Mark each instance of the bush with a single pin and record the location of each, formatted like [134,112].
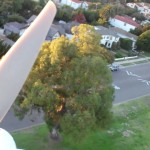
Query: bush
[118,55]
[132,53]
[91,16]
[13,36]
[126,44]
[3,49]
[16,17]
[64,13]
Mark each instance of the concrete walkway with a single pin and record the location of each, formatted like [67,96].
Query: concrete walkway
[133,61]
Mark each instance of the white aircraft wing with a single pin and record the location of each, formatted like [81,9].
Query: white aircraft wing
[18,61]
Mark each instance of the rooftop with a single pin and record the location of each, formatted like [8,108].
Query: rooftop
[105,31]
[16,25]
[123,32]
[127,20]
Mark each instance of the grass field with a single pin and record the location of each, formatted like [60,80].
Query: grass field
[130,130]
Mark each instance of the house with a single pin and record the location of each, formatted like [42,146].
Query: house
[75,3]
[108,36]
[125,23]
[131,5]
[54,32]
[124,34]
[145,22]
[13,27]
[18,28]
[143,8]
[112,35]
[68,26]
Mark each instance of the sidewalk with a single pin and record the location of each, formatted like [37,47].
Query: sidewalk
[133,61]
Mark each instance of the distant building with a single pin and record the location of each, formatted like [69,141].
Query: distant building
[68,26]
[108,36]
[54,32]
[125,23]
[112,36]
[13,27]
[145,22]
[75,3]
[124,34]
[143,8]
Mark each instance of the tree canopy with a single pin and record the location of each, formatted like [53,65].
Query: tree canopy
[140,30]
[71,83]
[143,41]
[17,10]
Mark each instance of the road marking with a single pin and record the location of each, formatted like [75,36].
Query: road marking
[116,87]
[142,80]
[145,81]
[131,74]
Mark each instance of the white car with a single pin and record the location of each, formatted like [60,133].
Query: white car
[114,67]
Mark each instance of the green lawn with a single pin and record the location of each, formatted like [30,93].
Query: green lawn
[130,130]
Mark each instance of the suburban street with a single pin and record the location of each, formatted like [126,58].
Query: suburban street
[130,82]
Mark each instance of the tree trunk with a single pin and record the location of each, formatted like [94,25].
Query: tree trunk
[54,134]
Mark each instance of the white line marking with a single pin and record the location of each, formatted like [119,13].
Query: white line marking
[131,74]
[127,72]
[144,81]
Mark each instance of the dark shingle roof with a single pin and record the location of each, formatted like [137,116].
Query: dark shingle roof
[105,31]
[69,25]
[53,30]
[16,25]
[123,32]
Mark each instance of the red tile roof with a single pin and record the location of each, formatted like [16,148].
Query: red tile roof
[127,20]
[76,1]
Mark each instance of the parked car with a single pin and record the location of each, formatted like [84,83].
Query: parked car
[113,67]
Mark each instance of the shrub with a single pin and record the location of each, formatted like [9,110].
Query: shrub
[118,55]
[126,44]
[15,17]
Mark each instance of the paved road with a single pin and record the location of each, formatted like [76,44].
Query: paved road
[12,123]
[132,82]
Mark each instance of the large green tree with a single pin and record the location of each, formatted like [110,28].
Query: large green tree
[71,83]
[143,41]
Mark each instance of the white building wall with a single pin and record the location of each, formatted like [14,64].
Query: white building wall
[71,4]
[57,35]
[117,23]
[131,5]
[108,40]
[74,5]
